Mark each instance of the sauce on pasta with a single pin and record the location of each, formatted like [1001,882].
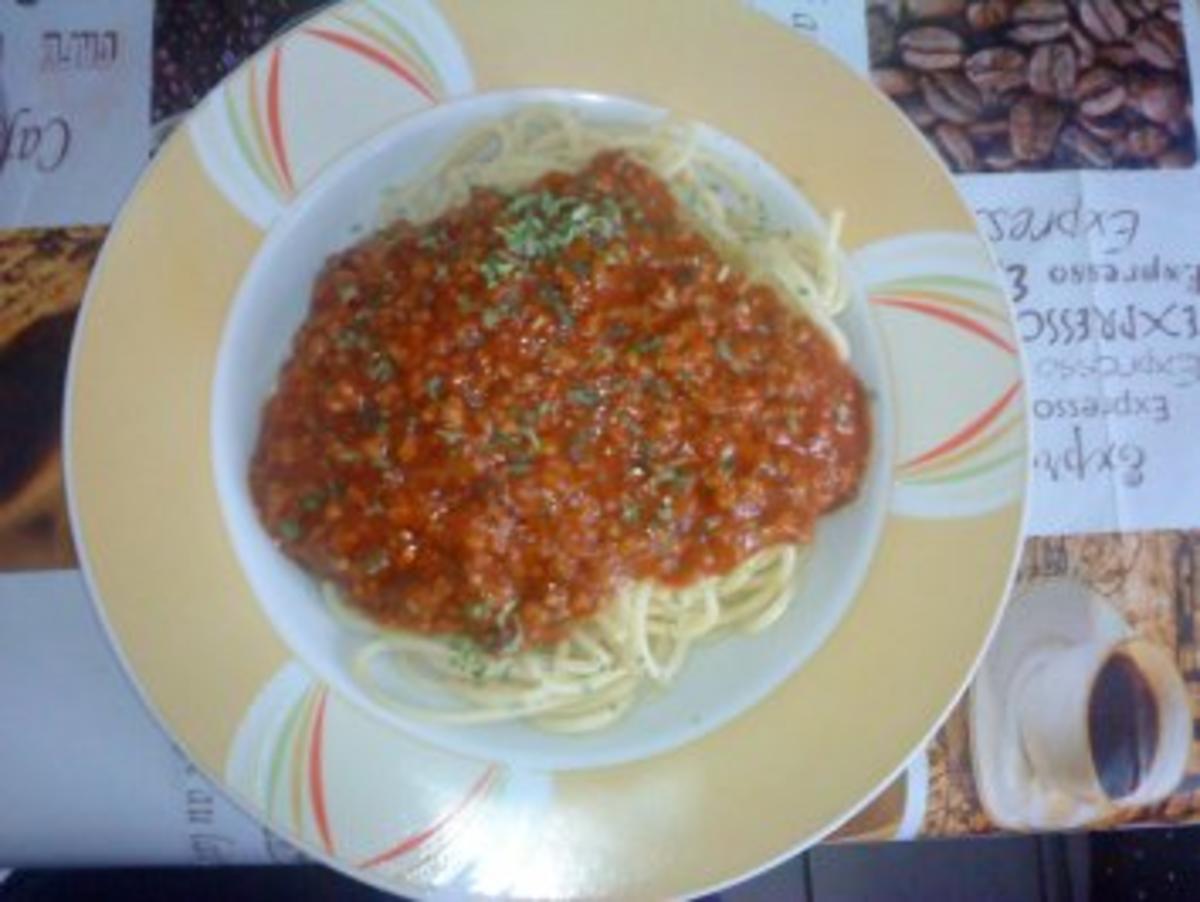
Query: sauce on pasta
[490,421]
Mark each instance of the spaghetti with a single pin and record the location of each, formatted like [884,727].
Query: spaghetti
[580,659]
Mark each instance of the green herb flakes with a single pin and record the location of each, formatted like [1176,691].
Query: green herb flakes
[376,562]
[380,368]
[311,502]
[584,397]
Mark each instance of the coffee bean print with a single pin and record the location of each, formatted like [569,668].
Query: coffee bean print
[1026,85]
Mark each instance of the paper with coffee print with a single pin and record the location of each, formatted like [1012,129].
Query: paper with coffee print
[1134,596]
[1071,123]
[1005,86]
[74,100]
[1105,277]
[1105,282]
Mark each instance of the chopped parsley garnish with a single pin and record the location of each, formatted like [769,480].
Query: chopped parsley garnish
[553,299]
[539,226]
[665,514]
[649,345]
[381,368]
[434,387]
[477,610]
[467,657]
[431,241]
[725,352]
[290,530]
[312,501]
[617,331]
[375,562]
[496,269]
[674,477]
[348,338]
[584,397]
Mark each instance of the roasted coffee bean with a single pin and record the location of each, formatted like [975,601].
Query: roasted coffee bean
[952,97]
[1161,100]
[1052,71]
[1104,20]
[1104,128]
[997,69]
[1100,91]
[1137,10]
[1084,47]
[894,82]
[934,9]
[1042,11]
[956,147]
[1159,43]
[918,112]
[1085,148]
[1039,32]
[988,130]
[1034,124]
[1133,10]
[929,48]
[984,15]
[1122,56]
[1000,160]
[1002,85]
[1147,142]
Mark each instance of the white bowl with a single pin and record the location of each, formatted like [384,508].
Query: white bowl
[721,679]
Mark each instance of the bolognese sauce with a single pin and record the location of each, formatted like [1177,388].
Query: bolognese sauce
[490,421]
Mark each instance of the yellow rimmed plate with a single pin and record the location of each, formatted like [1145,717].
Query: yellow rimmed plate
[409,816]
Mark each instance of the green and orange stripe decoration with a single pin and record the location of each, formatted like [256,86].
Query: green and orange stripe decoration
[297,790]
[371,31]
[978,446]
[254,104]
[257,124]
[416,840]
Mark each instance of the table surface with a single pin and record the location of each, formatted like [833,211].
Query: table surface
[1148,576]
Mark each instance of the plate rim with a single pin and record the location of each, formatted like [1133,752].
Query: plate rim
[87,309]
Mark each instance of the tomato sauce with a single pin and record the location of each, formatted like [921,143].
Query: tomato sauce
[489,421]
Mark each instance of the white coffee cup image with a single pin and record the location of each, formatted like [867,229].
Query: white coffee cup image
[1106,722]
